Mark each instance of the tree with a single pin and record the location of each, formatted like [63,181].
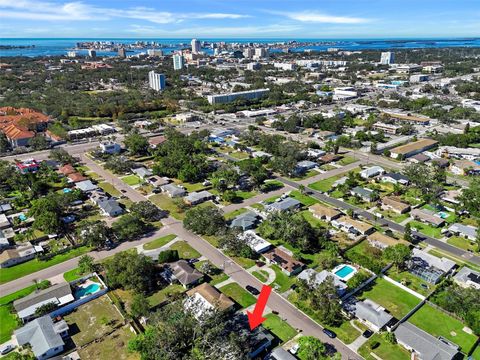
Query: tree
[397,254]
[45,309]
[136,144]
[391,338]
[470,198]
[95,234]
[311,348]
[129,227]
[130,271]
[204,220]
[167,256]
[38,142]
[231,242]
[358,279]
[86,264]
[407,235]
[139,306]
[62,156]
[47,212]
[147,211]
[4,144]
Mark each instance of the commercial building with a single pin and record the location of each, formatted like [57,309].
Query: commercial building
[416,147]
[178,62]
[154,52]
[391,129]
[261,53]
[156,81]
[284,66]
[230,97]
[196,46]
[387,58]
[122,53]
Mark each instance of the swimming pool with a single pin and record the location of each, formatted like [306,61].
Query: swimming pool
[344,272]
[88,290]
[22,217]
[443,214]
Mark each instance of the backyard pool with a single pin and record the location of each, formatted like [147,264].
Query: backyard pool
[92,288]
[344,272]
[22,217]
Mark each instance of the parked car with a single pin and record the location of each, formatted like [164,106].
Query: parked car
[294,349]
[329,333]
[367,333]
[6,349]
[252,290]
[193,261]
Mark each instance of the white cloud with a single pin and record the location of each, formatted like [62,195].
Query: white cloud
[317,17]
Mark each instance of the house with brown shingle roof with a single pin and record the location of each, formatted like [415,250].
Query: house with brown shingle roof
[286,261]
[67,169]
[427,216]
[352,226]
[205,297]
[395,204]
[382,241]
[324,212]
[76,177]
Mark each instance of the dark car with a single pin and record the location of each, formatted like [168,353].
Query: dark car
[329,333]
[193,261]
[367,333]
[123,190]
[252,290]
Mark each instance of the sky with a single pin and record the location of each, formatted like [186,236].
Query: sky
[320,19]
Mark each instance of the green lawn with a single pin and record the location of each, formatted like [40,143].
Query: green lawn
[20,270]
[190,187]
[132,180]
[438,323]
[235,213]
[476,353]
[304,199]
[385,350]
[411,281]
[4,300]
[166,203]
[427,229]
[244,262]
[462,243]
[307,175]
[391,297]
[217,275]
[162,295]
[313,220]
[8,322]
[280,328]
[73,274]
[325,184]
[346,160]
[260,276]
[109,188]
[282,281]
[238,294]
[185,251]
[258,206]
[157,243]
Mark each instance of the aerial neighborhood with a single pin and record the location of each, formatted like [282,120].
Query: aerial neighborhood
[149,198]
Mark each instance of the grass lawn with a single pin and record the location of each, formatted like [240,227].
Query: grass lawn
[385,350]
[258,206]
[325,184]
[346,160]
[217,275]
[240,155]
[115,343]
[391,297]
[462,243]
[307,175]
[438,323]
[190,187]
[260,276]
[8,322]
[166,203]
[185,251]
[238,294]
[157,243]
[304,199]
[109,188]
[93,319]
[244,262]
[398,218]
[411,281]
[235,213]
[162,295]
[73,274]
[313,220]
[427,229]
[20,270]
[132,180]
[4,300]
[282,281]
[279,327]
[476,354]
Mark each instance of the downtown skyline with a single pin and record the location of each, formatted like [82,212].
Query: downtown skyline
[245,19]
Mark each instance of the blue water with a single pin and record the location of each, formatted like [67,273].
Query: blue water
[443,215]
[90,289]
[22,217]
[344,271]
[60,46]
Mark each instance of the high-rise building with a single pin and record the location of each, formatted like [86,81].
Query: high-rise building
[261,53]
[122,53]
[154,52]
[248,53]
[71,54]
[92,53]
[178,62]
[156,81]
[387,58]
[196,46]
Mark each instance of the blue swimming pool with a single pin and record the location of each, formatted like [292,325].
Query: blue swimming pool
[22,217]
[344,271]
[84,291]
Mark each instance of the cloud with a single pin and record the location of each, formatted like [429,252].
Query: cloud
[80,11]
[318,17]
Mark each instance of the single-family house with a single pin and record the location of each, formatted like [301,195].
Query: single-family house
[371,172]
[5,236]
[321,212]
[198,197]
[282,205]
[185,274]
[86,186]
[467,231]
[6,207]
[245,221]
[451,196]
[465,167]
[4,221]
[382,241]
[261,154]
[67,169]
[285,260]
[59,294]
[158,181]
[76,177]
[258,339]
[19,254]
[28,166]
[156,140]
[429,267]
[110,147]
[314,278]
[364,193]
[467,277]
[44,336]
[255,242]
[395,204]
[280,353]
[419,158]
[142,172]
[204,298]
[304,166]
[370,313]
[328,158]
[427,216]
[352,226]
[424,345]
[173,190]
[395,178]
[110,207]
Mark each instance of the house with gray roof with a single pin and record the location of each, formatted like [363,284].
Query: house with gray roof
[142,172]
[371,172]
[110,207]
[427,216]
[363,193]
[185,274]
[467,277]
[280,353]
[466,231]
[424,345]
[198,197]
[285,204]
[429,267]
[370,313]
[173,190]
[304,166]
[86,186]
[245,221]
[395,178]
[5,208]
[5,236]
[44,336]
[314,278]
[59,294]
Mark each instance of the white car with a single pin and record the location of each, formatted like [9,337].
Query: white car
[6,349]
[294,349]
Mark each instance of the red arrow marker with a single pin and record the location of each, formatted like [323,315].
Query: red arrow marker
[255,318]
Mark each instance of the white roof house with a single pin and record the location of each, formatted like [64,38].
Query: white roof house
[255,242]
[371,172]
[467,231]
